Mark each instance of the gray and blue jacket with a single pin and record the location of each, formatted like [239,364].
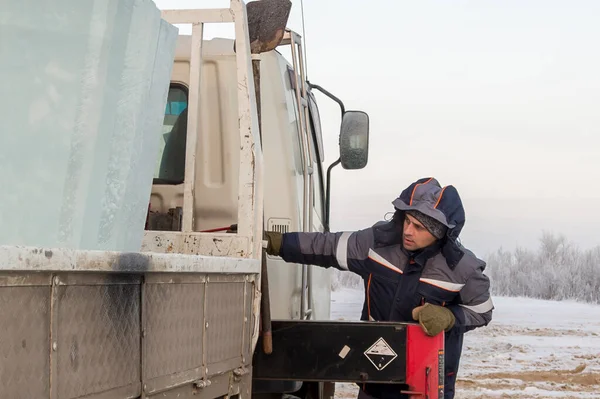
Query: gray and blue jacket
[396,281]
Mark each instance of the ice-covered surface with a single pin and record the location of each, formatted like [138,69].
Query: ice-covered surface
[84,87]
[532,349]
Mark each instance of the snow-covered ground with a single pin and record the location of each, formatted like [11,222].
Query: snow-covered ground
[531,349]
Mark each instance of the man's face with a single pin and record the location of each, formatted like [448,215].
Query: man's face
[415,236]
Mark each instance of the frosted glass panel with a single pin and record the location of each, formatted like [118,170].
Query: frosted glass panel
[84,87]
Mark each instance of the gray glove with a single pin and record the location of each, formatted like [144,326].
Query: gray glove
[434,319]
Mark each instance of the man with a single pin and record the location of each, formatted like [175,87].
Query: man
[413,268]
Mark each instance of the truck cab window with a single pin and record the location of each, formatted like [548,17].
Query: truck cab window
[171,158]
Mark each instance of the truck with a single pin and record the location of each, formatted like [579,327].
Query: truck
[201,310]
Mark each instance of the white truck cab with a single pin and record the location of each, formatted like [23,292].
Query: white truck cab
[292,150]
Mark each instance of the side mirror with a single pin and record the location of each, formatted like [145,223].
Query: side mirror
[354,140]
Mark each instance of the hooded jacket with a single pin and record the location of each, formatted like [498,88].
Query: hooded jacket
[396,280]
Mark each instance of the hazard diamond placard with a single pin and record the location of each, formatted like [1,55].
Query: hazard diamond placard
[380,354]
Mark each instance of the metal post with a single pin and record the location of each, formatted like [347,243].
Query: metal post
[306,116]
[193,128]
[305,166]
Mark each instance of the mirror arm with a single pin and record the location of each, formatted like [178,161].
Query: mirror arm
[339,160]
[328,94]
[328,194]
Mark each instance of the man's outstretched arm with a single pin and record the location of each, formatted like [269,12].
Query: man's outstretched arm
[342,250]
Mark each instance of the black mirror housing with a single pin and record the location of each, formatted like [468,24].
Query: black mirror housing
[354,140]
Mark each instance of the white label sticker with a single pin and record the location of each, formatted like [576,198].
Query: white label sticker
[344,352]
[380,354]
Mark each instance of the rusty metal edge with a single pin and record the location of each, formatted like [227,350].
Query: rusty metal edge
[21,258]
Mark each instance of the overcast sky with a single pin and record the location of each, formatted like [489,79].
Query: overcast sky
[499,98]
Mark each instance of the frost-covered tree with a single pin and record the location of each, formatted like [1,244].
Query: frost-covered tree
[345,279]
[557,270]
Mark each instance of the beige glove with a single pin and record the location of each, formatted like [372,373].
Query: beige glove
[434,319]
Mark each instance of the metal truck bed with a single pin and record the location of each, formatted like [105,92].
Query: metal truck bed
[125,325]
